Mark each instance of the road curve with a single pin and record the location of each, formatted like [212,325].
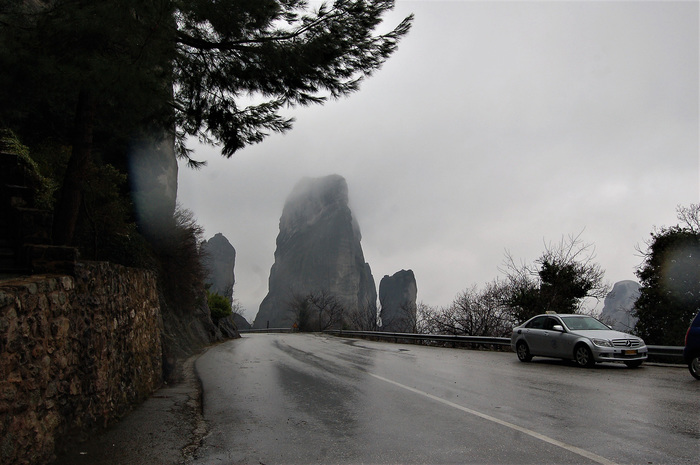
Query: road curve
[304,398]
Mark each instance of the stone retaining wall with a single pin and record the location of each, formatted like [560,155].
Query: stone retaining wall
[76,353]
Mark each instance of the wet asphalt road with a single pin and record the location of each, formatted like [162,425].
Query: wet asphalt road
[301,398]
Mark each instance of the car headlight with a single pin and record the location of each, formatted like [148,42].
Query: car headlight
[602,342]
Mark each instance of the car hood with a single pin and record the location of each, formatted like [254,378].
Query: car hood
[603,334]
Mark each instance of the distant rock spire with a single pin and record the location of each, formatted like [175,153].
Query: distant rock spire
[617,308]
[219,261]
[397,297]
[318,251]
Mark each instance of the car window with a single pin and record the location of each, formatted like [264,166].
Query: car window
[537,323]
[580,323]
[549,323]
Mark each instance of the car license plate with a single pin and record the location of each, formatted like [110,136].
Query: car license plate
[630,352]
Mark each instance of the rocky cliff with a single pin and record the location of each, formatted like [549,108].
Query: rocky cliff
[318,251]
[219,259]
[240,322]
[219,262]
[397,297]
[618,306]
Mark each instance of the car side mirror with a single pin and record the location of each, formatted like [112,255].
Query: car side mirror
[559,328]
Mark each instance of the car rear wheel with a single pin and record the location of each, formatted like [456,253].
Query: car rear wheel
[523,352]
[633,363]
[583,356]
[694,367]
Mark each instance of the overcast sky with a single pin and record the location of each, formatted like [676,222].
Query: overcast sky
[496,126]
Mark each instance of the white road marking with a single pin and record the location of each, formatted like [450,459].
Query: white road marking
[576,450]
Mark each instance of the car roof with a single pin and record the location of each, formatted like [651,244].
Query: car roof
[575,315]
[561,314]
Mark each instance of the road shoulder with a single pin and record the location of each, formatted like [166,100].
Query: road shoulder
[165,429]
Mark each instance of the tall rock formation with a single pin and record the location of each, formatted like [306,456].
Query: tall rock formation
[397,297]
[618,305]
[219,261]
[318,252]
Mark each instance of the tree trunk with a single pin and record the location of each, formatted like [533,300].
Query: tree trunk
[70,200]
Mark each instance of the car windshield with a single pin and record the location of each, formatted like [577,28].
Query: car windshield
[582,322]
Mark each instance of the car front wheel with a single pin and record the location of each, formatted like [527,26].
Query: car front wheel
[523,352]
[694,367]
[583,356]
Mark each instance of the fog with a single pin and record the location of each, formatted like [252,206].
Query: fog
[497,126]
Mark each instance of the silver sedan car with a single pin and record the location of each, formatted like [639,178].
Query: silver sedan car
[580,338]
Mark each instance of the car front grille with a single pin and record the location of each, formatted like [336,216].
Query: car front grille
[626,342]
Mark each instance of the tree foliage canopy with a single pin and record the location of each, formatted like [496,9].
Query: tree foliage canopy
[317,311]
[52,51]
[560,280]
[218,70]
[670,278]
[473,312]
[270,49]
[219,306]
[101,76]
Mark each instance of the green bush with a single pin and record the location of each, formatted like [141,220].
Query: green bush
[42,186]
[219,306]
[179,263]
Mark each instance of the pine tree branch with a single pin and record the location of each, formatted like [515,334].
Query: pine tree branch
[242,45]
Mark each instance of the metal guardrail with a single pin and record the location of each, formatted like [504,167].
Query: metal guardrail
[504,341]
[266,330]
[654,350]
[668,351]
